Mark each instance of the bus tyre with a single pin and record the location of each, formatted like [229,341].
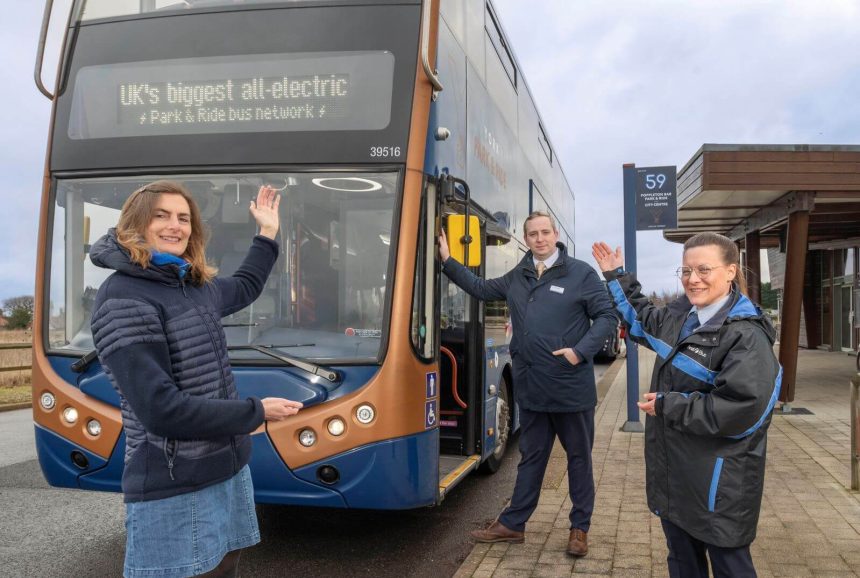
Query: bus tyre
[504,411]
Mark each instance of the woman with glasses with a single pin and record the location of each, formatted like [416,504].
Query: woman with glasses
[156,324]
[715,382]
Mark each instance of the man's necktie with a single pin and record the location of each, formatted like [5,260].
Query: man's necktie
[690,325]
[540,267]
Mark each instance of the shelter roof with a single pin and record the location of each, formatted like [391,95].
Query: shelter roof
[739,189]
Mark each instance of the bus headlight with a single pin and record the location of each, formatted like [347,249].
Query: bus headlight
[47,401]
[336,426]
[94,427]
[70,414]
[307,437]
[365,414]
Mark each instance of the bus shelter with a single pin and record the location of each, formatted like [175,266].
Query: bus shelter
[802,204]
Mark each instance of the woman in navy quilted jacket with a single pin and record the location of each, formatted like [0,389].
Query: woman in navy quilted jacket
[156,326]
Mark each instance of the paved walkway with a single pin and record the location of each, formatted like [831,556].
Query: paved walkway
[809,524]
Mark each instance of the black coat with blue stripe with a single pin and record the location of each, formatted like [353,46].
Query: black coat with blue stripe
[716,389]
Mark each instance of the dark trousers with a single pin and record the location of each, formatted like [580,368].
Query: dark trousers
[687,557]
[537,435]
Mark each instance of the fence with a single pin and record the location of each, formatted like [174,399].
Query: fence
[16,346]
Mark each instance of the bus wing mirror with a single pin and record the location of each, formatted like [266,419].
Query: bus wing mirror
[459,242]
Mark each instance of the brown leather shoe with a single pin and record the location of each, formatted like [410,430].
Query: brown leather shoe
[577,544]
[498,533]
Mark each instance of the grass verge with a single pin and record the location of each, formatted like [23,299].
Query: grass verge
[15,394]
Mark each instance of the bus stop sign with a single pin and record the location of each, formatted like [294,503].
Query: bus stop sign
[656,198]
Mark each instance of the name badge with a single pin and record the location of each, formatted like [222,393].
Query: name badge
[556,289]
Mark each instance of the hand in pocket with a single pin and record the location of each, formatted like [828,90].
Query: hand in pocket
[569,354]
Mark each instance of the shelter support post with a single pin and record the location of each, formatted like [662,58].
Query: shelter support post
[810,310]
[753,266]
[789,334]
[855,433]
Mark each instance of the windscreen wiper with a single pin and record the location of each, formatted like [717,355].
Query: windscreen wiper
[84,362]
[324,372]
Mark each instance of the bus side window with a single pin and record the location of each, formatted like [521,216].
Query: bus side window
[501,258]
[426,271]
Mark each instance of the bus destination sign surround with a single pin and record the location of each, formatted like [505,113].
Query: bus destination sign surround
[249,93]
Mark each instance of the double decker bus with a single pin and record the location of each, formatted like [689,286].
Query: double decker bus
[380,121]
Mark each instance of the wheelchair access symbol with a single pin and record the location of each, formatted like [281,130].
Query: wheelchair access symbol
[431,385]
[430,416]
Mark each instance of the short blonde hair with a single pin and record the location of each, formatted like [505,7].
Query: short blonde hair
[138,212]
[536,215]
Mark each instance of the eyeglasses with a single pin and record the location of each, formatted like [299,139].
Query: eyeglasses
[702,271]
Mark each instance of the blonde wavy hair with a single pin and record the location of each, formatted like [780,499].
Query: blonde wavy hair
[137,214]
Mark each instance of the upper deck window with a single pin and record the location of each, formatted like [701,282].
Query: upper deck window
[231,94]
[544,143]
[494,31]
[97,9]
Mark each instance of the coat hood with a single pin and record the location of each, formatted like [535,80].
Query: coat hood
[107,253]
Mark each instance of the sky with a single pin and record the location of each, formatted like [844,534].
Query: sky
[615,81]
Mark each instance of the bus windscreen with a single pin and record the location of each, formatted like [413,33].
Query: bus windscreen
[231,94]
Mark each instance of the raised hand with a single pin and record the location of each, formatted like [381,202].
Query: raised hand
[265,211]
[278,408]
[444,253]
[606,259]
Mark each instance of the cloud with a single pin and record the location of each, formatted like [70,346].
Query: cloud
[616,82]
[650,82]
[24,132]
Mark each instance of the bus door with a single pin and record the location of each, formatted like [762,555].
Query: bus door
[461,366]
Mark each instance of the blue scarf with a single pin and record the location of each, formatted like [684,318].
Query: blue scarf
[168,259]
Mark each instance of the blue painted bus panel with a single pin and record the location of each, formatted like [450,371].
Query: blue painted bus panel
[274,483]
[55,459]
[493,376]
[299,385]
[449,111]
[63,367]
[108,478]
[396,474]
[489,421]
[95,383]
[257,382]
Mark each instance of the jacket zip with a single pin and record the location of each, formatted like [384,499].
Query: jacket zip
[221,371]
[170,455]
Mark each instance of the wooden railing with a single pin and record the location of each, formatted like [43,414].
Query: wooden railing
[16,346]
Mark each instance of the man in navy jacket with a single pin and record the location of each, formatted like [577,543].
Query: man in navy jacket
[561,315]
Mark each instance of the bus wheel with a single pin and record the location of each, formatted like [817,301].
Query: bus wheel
[503,430]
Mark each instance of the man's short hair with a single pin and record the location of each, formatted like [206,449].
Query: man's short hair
[535,215]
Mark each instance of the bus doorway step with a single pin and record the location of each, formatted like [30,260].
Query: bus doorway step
[453,470]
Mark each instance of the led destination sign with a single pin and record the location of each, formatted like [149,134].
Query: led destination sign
[253,93]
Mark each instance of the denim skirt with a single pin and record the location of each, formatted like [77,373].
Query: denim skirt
[189,534]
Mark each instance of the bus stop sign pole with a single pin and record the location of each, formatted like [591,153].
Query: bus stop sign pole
[632,424]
